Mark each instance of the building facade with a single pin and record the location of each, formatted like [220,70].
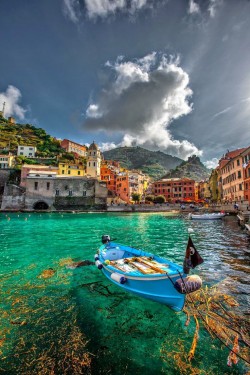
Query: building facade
[232,175]
[6,161]
[246,173]
[71,169]
[28,151]
[27,168]
[74,147]
[94,161]
[175,189]
[47,190]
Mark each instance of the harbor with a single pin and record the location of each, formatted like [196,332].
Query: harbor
[57,315]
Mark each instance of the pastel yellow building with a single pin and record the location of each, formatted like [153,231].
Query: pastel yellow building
[6,161]
[71,169]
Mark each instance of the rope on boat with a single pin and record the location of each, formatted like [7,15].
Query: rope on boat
[206,325]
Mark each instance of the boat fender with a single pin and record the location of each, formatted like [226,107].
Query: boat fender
[98,264]
[96,257]
[188,284]
[118,278]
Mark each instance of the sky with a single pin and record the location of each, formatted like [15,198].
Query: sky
[168,75]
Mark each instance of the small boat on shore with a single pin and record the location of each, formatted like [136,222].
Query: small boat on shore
[207,216]
[148,275]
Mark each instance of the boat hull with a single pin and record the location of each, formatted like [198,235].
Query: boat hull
[159,289]
[142,273]
[214,216]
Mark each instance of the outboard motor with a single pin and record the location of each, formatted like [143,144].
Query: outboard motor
[105,238]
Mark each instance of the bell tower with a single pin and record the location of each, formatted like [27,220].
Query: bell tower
[94,161]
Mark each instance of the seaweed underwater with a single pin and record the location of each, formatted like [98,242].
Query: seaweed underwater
[212,310]
[40,330]
[33,336]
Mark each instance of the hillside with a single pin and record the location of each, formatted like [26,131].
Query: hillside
[153,163]
[13,135]
[192,168]
[48,148]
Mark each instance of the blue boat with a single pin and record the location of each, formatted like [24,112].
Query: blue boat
[147,275]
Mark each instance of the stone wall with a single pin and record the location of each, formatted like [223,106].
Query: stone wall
[13,198]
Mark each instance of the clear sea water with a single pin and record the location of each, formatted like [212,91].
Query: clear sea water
[49,324]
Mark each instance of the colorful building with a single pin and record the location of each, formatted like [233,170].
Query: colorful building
[175,189]
[74,147]
[232,175]
[246,173]
[122,187]
[6,161]
[71,169]
[109,171]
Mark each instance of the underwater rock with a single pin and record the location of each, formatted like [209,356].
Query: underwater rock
[80,264]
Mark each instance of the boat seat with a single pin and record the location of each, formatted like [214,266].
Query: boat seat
[113,254]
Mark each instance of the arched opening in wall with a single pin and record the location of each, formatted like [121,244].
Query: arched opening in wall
[40,206]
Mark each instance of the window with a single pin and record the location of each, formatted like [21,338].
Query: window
[30,153]
[70,193]
[57,192]
[66,187]
[21,148]
[89,163]
[84,193]
[68,172]
[36,185]
[48,185]
[31,148]
[94,163]
[240,186]
[238,162]
[239,174]
[78,173]
[63,171]
[21,153]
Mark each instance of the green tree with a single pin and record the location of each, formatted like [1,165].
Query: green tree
[136,197]
[149,198]
[159,199]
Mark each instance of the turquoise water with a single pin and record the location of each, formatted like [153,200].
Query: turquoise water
[50,324]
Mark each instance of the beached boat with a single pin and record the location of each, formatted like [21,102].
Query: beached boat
[148,275]
[207,216]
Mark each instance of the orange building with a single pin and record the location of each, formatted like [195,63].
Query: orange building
[232,175]
[175,189]
[122,186]
[109,171]
[71,146]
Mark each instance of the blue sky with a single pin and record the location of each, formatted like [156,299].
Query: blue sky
[169,75]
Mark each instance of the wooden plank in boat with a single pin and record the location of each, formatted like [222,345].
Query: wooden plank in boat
[152,266]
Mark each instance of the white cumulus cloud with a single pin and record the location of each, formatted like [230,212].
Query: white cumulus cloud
[141,101]
[212,164]
[11,98]
[193,7]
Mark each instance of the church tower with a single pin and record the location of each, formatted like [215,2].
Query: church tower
[94,161]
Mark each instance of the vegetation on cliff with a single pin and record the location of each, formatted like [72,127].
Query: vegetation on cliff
[153,163]
[192,168]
